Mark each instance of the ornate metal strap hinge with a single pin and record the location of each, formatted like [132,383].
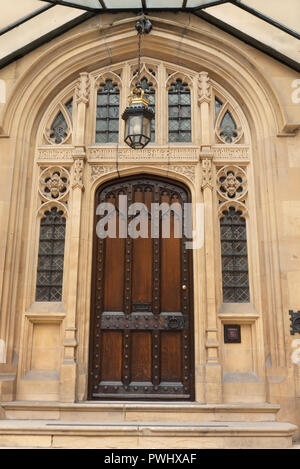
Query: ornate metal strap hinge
[295,322]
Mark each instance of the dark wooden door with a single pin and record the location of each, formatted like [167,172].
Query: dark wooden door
[141,342]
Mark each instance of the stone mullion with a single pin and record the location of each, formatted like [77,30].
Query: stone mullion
[161,107]
[69,365]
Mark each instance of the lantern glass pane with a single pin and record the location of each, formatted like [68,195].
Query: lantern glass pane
[146,127]
[135,125]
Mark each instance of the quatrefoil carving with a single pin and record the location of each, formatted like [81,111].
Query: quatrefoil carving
[54,183]
[232,183]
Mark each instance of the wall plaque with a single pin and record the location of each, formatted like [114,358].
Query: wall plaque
[232,334]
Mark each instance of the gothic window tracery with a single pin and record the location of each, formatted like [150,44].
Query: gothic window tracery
[59,129]
[227,129]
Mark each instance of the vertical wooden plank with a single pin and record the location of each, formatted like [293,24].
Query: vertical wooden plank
[171,356]
[170,272]
[142,258]
[141,363]
[111,356]
[114,274]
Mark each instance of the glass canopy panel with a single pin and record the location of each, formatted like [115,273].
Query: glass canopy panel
[123,4]
[287,14]
[18,9]
[257,28]
[164,4]
[33,29]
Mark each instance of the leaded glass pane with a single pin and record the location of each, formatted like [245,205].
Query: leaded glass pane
[51,256]
[179,103]
[107,116]
[234,257]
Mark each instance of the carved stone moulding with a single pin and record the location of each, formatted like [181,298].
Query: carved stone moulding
[231,154]
[97,171]
[147,155]
[49,155]
[54,183]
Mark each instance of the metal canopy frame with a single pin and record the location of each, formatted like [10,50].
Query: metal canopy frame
[198,11]
[102,8]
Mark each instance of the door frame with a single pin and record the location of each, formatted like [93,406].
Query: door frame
[99,188]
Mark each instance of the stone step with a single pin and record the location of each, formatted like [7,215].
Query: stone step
[145,435]
[139,411]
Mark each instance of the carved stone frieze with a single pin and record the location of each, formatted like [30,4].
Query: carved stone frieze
[189,171]
[55,154]
[146,155]
[231,154]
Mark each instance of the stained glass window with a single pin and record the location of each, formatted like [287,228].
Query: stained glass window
[107,121]
[148,88]
[234,257]
[179,102]
[51,256]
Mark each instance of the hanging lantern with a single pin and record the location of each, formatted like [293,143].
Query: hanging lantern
[137,115]
[137,119]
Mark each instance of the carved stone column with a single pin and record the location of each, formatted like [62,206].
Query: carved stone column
[69,365]
[82,92]
[213,379]
[204,98]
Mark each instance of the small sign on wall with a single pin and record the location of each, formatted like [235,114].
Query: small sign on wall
[232,334]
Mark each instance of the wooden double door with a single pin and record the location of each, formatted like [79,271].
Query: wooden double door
[141,340]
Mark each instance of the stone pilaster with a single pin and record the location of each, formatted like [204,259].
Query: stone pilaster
[213,381]
[69,365]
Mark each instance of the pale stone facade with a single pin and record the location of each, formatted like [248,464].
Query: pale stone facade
[44,345]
